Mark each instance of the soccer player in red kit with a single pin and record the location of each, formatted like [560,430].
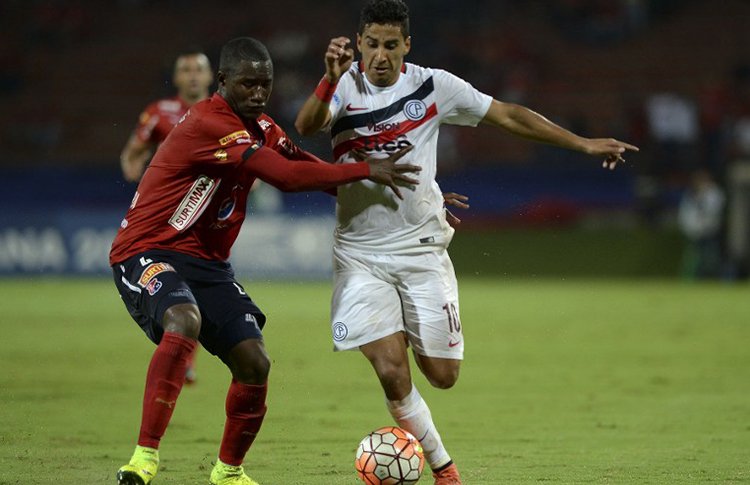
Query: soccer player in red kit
[169,258]
[192,77]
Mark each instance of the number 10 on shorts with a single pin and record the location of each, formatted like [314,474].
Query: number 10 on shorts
[454,323]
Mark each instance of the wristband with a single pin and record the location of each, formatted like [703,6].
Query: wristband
[325,90]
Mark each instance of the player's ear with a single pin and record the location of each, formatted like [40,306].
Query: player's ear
[407,45]
[359,43]
[221,78]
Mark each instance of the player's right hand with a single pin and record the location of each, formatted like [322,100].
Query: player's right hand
[385,171]
[338,58]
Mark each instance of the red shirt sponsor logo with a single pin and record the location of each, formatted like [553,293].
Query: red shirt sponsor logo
[234,136]
[194,203]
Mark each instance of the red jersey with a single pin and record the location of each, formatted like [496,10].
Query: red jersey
[193,196]
[158,119]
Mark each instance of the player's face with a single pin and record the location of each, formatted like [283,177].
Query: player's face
[248,88]
[383,48]
[192,77]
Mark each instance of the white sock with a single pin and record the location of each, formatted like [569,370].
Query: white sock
[412,414]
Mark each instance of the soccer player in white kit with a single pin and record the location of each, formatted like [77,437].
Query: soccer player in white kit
[394,284]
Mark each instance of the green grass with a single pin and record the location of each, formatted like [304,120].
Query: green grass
[565,381]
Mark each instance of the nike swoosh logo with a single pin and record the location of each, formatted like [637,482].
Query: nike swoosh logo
[349,107]
[453,344]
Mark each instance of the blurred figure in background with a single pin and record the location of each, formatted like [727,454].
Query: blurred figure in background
[192,77]
[700,219]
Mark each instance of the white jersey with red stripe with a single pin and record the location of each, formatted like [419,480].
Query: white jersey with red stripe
[381,120]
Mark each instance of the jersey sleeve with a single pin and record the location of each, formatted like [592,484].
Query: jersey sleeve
[459,101]
[147,121]
[293,176]
[337,102]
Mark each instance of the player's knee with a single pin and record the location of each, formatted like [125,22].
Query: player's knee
[253,368]
[394,379]
[184,319]
[445,378]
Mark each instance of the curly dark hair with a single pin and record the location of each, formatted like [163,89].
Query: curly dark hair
[391,12]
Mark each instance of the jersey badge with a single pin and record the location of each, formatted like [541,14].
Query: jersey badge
[265,125]
[415,109]
[153,286]
[221,155]
[340,331]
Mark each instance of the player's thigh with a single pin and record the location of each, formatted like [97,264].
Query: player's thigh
[229,316]
[148,286]
[365,305]
[429,295]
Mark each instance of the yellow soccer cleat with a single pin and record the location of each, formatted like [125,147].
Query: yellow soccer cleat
[141,469]
[224,474]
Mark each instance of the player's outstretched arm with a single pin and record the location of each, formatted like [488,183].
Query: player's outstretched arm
[314,114]
[134,157]
[524,122]
[294,176]
[385,171]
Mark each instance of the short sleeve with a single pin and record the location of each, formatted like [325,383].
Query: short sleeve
[147,121]
[458,101]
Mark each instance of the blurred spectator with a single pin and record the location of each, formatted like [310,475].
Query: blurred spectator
[700,219]
[673,126]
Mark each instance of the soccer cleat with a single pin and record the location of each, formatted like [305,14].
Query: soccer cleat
[190,376]
[224,474]
[447,476]
[141,469]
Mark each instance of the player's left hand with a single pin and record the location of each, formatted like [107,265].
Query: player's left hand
[609,148]
[456,200]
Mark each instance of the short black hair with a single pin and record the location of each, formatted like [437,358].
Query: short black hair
[390,12]
[241,49]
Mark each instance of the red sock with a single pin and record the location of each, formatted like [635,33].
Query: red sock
[191,357]
[164,380]
[246,407]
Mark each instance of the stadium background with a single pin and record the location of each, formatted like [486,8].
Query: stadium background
[619,375]
[74,76]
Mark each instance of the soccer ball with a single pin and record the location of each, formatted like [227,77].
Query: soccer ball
[389,456]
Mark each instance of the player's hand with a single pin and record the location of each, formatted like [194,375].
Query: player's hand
[132,170]
[338,58]
[456,200]
[385,171]
[609,148]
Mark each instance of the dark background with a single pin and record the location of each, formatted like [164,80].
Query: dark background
[74,75]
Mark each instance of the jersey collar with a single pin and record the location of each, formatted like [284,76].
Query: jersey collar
[361,66]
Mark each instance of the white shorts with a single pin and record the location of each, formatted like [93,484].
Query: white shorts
[376,295]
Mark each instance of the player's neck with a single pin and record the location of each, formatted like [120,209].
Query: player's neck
[381,87]
[191,100]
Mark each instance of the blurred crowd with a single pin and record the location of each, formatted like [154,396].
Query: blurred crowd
[671,76]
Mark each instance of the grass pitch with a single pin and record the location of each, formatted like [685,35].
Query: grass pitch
[583,381]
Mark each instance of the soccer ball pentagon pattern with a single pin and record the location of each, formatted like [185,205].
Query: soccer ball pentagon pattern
[389,456]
